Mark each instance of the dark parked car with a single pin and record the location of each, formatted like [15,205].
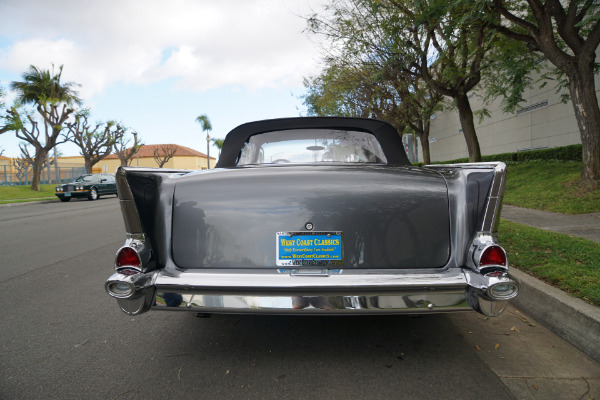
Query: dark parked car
[313,216]
[91,186]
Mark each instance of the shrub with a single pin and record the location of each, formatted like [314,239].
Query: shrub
[564,153]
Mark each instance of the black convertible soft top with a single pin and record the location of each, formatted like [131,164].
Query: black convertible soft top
[388,137]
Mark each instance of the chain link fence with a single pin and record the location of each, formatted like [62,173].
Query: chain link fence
[66,173]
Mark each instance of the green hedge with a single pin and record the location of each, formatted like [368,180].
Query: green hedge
[565,153]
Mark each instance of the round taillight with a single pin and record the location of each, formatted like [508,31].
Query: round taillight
[128,257]
[493,255]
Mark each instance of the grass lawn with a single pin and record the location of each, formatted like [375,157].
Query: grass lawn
[570,264]
[18,194]
[550,186]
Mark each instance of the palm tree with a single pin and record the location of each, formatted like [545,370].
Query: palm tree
[218,143]
[40,86]
[206,127]
[44,89]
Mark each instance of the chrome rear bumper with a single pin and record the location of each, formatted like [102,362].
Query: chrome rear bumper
[292,292]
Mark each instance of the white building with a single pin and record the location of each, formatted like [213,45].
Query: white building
[542,121]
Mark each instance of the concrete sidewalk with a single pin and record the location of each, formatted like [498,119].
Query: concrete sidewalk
[570,318]
[586,226]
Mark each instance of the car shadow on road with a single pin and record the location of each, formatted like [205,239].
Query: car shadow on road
[323,357]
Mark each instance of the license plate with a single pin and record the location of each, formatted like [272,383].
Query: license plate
[67,194]
[312,249]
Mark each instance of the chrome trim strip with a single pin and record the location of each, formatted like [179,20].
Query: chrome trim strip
[493,206]
[272,279]
[137,238]
[479,165]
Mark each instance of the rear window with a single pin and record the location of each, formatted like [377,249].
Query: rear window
[85,178]
[312,146]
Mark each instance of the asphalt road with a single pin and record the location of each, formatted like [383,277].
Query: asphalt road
[63,337]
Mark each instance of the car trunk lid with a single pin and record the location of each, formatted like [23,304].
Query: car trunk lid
[386,217]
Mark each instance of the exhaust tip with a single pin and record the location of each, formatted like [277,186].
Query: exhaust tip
[503,291]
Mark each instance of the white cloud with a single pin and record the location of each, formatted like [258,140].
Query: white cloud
[202,44]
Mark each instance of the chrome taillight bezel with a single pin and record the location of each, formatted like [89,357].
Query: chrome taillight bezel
[484,250]
[481,243]
[128,266]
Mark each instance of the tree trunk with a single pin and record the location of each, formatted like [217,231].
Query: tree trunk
[585,104]
[88,166]
[423,133]
[56,171]
[48,180]
[425,142]
[465,114]
[38,163]
[425,148]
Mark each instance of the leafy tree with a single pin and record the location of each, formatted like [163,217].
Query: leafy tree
[430,40]
[163,153]
[204,122]
[4,128]
[96,143]
[27,129]
[386,86]
[21,167]
[448,52]
[568,34]
[375,91]
[124,152]
[343,90]
[22,164]
[51,99]
[361,90]
[420,102]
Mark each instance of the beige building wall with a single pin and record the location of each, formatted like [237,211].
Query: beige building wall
[110,165]
[190,162]
[542,121]
[6,168]
[5,162]
[177,162]
[72,166]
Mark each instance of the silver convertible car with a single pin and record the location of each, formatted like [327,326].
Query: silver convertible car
[313,216]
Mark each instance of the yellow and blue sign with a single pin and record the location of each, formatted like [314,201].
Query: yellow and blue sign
[309,248]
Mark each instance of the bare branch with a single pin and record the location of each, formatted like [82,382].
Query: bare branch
[163,153]
[124,152]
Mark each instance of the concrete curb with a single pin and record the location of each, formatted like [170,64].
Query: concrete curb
[24,203]
[572,319]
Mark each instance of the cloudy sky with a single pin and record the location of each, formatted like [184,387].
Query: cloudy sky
[156,65]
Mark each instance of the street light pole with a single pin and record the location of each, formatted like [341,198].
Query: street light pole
[137,155]
[207,150]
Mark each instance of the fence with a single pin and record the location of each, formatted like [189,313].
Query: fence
[8,176]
